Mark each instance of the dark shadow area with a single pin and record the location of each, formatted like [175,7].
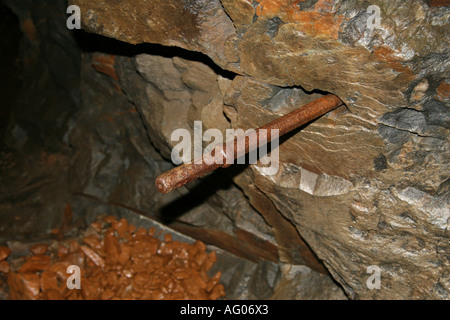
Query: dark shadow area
[10,81]
[199,194]
[90,42]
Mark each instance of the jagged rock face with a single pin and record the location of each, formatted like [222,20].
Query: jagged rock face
[364,185]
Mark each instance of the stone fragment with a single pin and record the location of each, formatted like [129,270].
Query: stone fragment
[36,263]
[23,286]
[4,252]
[39,248]
[4,266]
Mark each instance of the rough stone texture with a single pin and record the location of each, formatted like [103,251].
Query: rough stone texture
[364,185]
[195,25]
[79,136]
[302,283]
[74,137]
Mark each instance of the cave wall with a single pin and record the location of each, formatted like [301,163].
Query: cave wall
[75,140]
[364,185]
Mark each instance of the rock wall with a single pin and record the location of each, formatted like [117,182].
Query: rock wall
[364,185]
[76,140]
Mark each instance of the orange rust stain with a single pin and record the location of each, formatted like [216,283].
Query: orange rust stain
[117,88]
[268,8]
[121,113]
[324,5]
[439,3]
[319,21]
[321,24]
[4,252]
[443,91]
[29,29]
[49,159]
[4,266]
[388,56]
[107,118]
[105,64]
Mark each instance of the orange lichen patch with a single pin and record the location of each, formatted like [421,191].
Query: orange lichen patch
[319,21]
[29,29]
[104,63]
[388,56]
[4,252]
[443,91]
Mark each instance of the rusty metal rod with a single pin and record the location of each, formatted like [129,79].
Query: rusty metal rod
[188,172]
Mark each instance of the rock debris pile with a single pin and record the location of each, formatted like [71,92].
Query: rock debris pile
[117,261]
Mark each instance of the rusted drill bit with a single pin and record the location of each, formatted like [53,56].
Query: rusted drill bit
[188,172]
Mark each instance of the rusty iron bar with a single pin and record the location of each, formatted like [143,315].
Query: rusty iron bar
[179,176]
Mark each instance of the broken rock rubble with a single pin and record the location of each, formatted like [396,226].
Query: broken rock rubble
[117,261]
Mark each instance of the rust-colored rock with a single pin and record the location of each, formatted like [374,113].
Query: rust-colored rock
[93,256]
[36,263]
[439,3]
[443,91]
[49,281]
[23,286]
[4,252]
[131,264]
[39,248]
[4,266]
[104,63]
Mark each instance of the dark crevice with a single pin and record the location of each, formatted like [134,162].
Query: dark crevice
[90,42]
[10,81]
